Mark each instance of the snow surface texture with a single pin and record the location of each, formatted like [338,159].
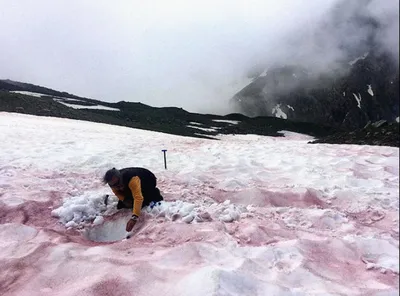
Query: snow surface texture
[247,215]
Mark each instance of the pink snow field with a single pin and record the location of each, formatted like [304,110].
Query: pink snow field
[242,215]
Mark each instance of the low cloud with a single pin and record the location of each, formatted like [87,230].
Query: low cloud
[194,55]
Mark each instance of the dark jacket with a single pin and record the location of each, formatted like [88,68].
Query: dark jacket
[139,188]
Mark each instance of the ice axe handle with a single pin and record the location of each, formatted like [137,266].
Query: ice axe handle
[165,157]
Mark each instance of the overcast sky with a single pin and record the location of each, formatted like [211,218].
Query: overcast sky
[189,54]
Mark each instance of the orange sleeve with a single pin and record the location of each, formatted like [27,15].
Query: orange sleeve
[118,194]
[136,189]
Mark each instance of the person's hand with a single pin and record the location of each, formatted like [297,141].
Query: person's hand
[131,223]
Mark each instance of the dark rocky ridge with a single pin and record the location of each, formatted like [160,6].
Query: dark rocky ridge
[168,119]
[176,120]
[361,86]
[385,134]
[369,92]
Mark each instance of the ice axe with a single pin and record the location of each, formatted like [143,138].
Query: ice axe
[165,157]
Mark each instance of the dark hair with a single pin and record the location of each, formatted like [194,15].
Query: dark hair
[110,174]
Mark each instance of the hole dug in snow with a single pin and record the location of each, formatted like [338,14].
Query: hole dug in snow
[108,231]
[109,224]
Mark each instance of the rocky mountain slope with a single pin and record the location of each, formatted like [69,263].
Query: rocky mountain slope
[23,99]
[369,92]
[362,84]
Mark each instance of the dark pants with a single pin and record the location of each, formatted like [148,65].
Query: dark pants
[150,193]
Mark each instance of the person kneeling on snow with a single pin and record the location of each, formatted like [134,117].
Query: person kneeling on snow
[135,188]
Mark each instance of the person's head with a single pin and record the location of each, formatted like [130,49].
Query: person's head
[113,178]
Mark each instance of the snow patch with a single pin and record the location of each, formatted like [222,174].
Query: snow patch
[28,93]
[359,58]
[97,107]
[226,121]
[358,99]
[263,74]
[278,112]
[211,129]
[203,135]
[38,95]
[370,91]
